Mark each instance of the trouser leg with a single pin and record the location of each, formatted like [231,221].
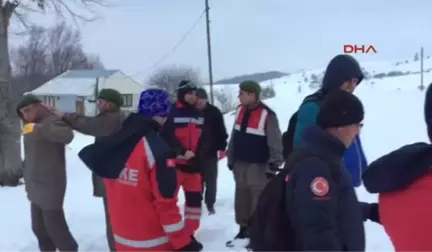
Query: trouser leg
[39,229]
[210,175]
[109,233]
[241,198]
[192,186]
[58,230]
[257,181]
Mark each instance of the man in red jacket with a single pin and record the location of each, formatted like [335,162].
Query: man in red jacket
[141,182]
[403,181]
[182,131]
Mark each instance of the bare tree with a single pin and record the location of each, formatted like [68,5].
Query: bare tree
[226,103]
[168,78]
[65,49]
[10,160]
[48,53]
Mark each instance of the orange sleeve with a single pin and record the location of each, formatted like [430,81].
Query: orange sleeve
[165,188]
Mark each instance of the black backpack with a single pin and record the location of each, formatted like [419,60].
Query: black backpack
[270,228]
[288,136]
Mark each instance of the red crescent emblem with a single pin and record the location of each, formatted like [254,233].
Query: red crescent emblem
[320,186]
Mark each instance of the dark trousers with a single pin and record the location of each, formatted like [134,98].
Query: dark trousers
[109,233]
[210,174]
[51,230]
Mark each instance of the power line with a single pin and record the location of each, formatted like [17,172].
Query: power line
[182,39]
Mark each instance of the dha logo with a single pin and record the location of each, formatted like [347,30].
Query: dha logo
[363,49]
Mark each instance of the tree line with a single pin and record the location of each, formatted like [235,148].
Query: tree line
[10,144]
[47,53]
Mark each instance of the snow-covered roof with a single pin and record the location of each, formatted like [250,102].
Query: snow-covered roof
[73,82]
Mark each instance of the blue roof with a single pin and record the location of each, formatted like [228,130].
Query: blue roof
[94,73]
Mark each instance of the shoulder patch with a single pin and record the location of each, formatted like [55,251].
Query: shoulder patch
[319,186]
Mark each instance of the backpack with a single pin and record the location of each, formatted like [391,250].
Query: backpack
[270,228]
[288,136]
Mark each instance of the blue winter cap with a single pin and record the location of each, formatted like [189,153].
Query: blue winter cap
[154,102]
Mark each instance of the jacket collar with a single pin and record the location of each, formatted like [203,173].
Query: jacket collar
[319,140]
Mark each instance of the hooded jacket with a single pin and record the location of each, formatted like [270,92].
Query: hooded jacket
[141,187]
[341,68]
[107,156]
[403,179]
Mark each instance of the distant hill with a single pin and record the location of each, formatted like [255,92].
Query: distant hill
[259,77]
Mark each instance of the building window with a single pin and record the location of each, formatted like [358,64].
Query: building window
[127,100]
[50,100]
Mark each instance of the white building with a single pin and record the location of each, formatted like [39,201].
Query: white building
[74,90]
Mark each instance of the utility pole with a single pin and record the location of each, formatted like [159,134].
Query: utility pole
[209,54]
[421,69]
[96,94]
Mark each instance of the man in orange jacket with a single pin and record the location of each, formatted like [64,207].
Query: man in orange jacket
[403,181]
[141,182]
[182,131]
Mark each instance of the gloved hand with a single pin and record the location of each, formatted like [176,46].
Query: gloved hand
[370,212]
[221,154]
[194,245]
[374,213]
[272,170]
[28,128]
[230,167]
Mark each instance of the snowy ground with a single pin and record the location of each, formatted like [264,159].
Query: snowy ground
[393,118]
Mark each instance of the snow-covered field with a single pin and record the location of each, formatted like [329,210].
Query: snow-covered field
[393,118]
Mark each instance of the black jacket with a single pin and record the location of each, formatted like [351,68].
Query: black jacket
[325,217]
[214,136]
[107,156]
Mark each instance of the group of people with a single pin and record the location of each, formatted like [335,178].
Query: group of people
[293,191]
[194,150]
[311,205]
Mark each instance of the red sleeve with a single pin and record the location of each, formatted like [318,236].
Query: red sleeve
[165,188]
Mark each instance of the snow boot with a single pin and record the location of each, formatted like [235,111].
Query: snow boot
[240,240]
[199,244]
[211,210]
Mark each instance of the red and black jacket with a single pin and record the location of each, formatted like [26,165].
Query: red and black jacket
[249,134]
[182,131]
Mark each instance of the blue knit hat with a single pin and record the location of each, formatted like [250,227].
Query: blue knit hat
[154,102]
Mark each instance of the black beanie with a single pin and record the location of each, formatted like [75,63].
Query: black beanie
[185,87]
[202,93]
[339,109]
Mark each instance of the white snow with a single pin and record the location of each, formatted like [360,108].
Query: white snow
[394,116]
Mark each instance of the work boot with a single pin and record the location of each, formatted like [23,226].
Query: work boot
[211,210]
[240,240]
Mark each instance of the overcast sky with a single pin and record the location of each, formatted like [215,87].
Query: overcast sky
[256,35]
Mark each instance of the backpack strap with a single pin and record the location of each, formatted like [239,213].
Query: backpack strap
[318,96]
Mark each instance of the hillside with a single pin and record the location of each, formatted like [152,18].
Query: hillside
[381,73]
[254,76]
[397,75]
